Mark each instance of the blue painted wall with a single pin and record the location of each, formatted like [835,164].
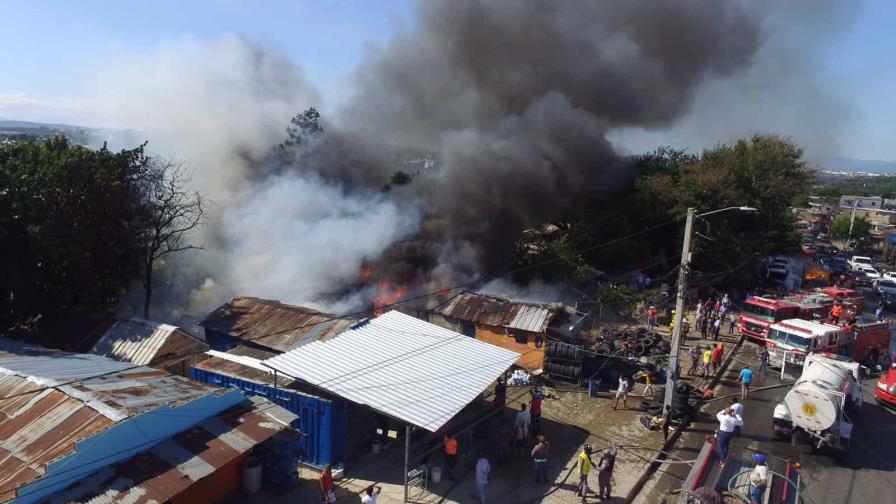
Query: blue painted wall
[124,440]
[322,422]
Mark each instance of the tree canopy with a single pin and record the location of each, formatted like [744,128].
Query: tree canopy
[765,172]
[861,228]
[69,222]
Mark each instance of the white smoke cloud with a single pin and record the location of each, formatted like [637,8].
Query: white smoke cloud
[297,237]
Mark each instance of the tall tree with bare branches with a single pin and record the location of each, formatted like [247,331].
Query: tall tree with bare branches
[172,210]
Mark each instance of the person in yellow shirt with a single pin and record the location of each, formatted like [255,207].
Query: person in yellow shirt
[584,465]
[707,358]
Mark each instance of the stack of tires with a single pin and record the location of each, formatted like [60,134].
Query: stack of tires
[563,360]
[681,400]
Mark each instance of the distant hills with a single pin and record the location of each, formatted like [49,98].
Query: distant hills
[11,124]
[843,164]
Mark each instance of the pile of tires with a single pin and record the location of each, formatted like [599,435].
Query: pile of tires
[681,400]
[559,350]
[563,369]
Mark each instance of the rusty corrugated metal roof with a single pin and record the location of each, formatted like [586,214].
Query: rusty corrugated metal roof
[40,424]
[499,312]
[146,342]
[174,465]
[274,324]
[231,368]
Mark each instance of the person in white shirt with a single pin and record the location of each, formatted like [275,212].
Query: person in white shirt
[738,408]
[728,420]
[758,479]
[483,468]
[621,392]
[521,427]
[371,494]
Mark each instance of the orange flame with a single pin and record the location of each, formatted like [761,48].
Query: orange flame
[387,295]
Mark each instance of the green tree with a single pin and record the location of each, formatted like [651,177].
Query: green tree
[861,228]
[70,224]
[303,128]
[766,172]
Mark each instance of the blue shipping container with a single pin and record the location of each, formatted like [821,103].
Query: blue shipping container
[322,422]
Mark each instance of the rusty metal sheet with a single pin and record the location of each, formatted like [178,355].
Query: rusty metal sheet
[170,468]
[146,342]
[499,312]
[274,324]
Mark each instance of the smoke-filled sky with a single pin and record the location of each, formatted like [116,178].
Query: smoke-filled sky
[53,50]
[528,105]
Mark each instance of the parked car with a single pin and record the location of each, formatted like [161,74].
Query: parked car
[884,286]
[838,265]
[856,261]
[870,271]
[890,275]
[859,278]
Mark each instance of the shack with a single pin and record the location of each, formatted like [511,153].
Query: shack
[148,343]
[78,426]
[247,330]
[518,326]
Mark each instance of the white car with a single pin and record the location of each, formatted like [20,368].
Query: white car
[870,272]
[890,275]
[857,262]
[884,286]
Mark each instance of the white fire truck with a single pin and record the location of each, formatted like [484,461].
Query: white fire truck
[792,340]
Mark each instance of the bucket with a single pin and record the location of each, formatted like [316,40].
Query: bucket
[376,446]
[252,475]
[436,474]
[593,385]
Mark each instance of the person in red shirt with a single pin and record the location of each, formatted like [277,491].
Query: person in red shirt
[651,318]
[716,357]
[327,494]
[535,410]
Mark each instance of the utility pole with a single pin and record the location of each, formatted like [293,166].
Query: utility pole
[852,219]
[672,372]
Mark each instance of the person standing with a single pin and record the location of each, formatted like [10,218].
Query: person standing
[758,479]
[704,327]
[535,410]
[483,469]
[584,465]
[500,395]
[327,492]
[371,494]
[738,409]
[450,443]
[727,422]
[605,474]
[716,328]
[648,385]
[694,354]
[521,426]
[707,358]
[716,307]
[879,312]
[540,457]
[745,379]
[732,324]
[621,392]
[651,318]
[763,361]
[666,422]
[716,357]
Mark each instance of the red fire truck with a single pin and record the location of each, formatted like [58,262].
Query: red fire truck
[759,312]
[850,298]
[791,340]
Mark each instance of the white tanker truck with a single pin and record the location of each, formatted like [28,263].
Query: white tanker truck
[815,409]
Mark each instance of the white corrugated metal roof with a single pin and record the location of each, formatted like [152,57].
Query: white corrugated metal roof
[531,318]
[401,366]
[139,341]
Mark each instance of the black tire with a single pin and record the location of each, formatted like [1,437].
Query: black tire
[655,411]
[639,349]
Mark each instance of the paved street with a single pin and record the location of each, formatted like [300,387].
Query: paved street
[866,475]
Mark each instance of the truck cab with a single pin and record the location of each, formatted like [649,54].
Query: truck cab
[857,262]
[885,392]
[759,313]
[790,341]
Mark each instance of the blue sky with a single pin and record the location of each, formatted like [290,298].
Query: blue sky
[50,51]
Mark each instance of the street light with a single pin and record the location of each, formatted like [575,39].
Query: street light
[672,371]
